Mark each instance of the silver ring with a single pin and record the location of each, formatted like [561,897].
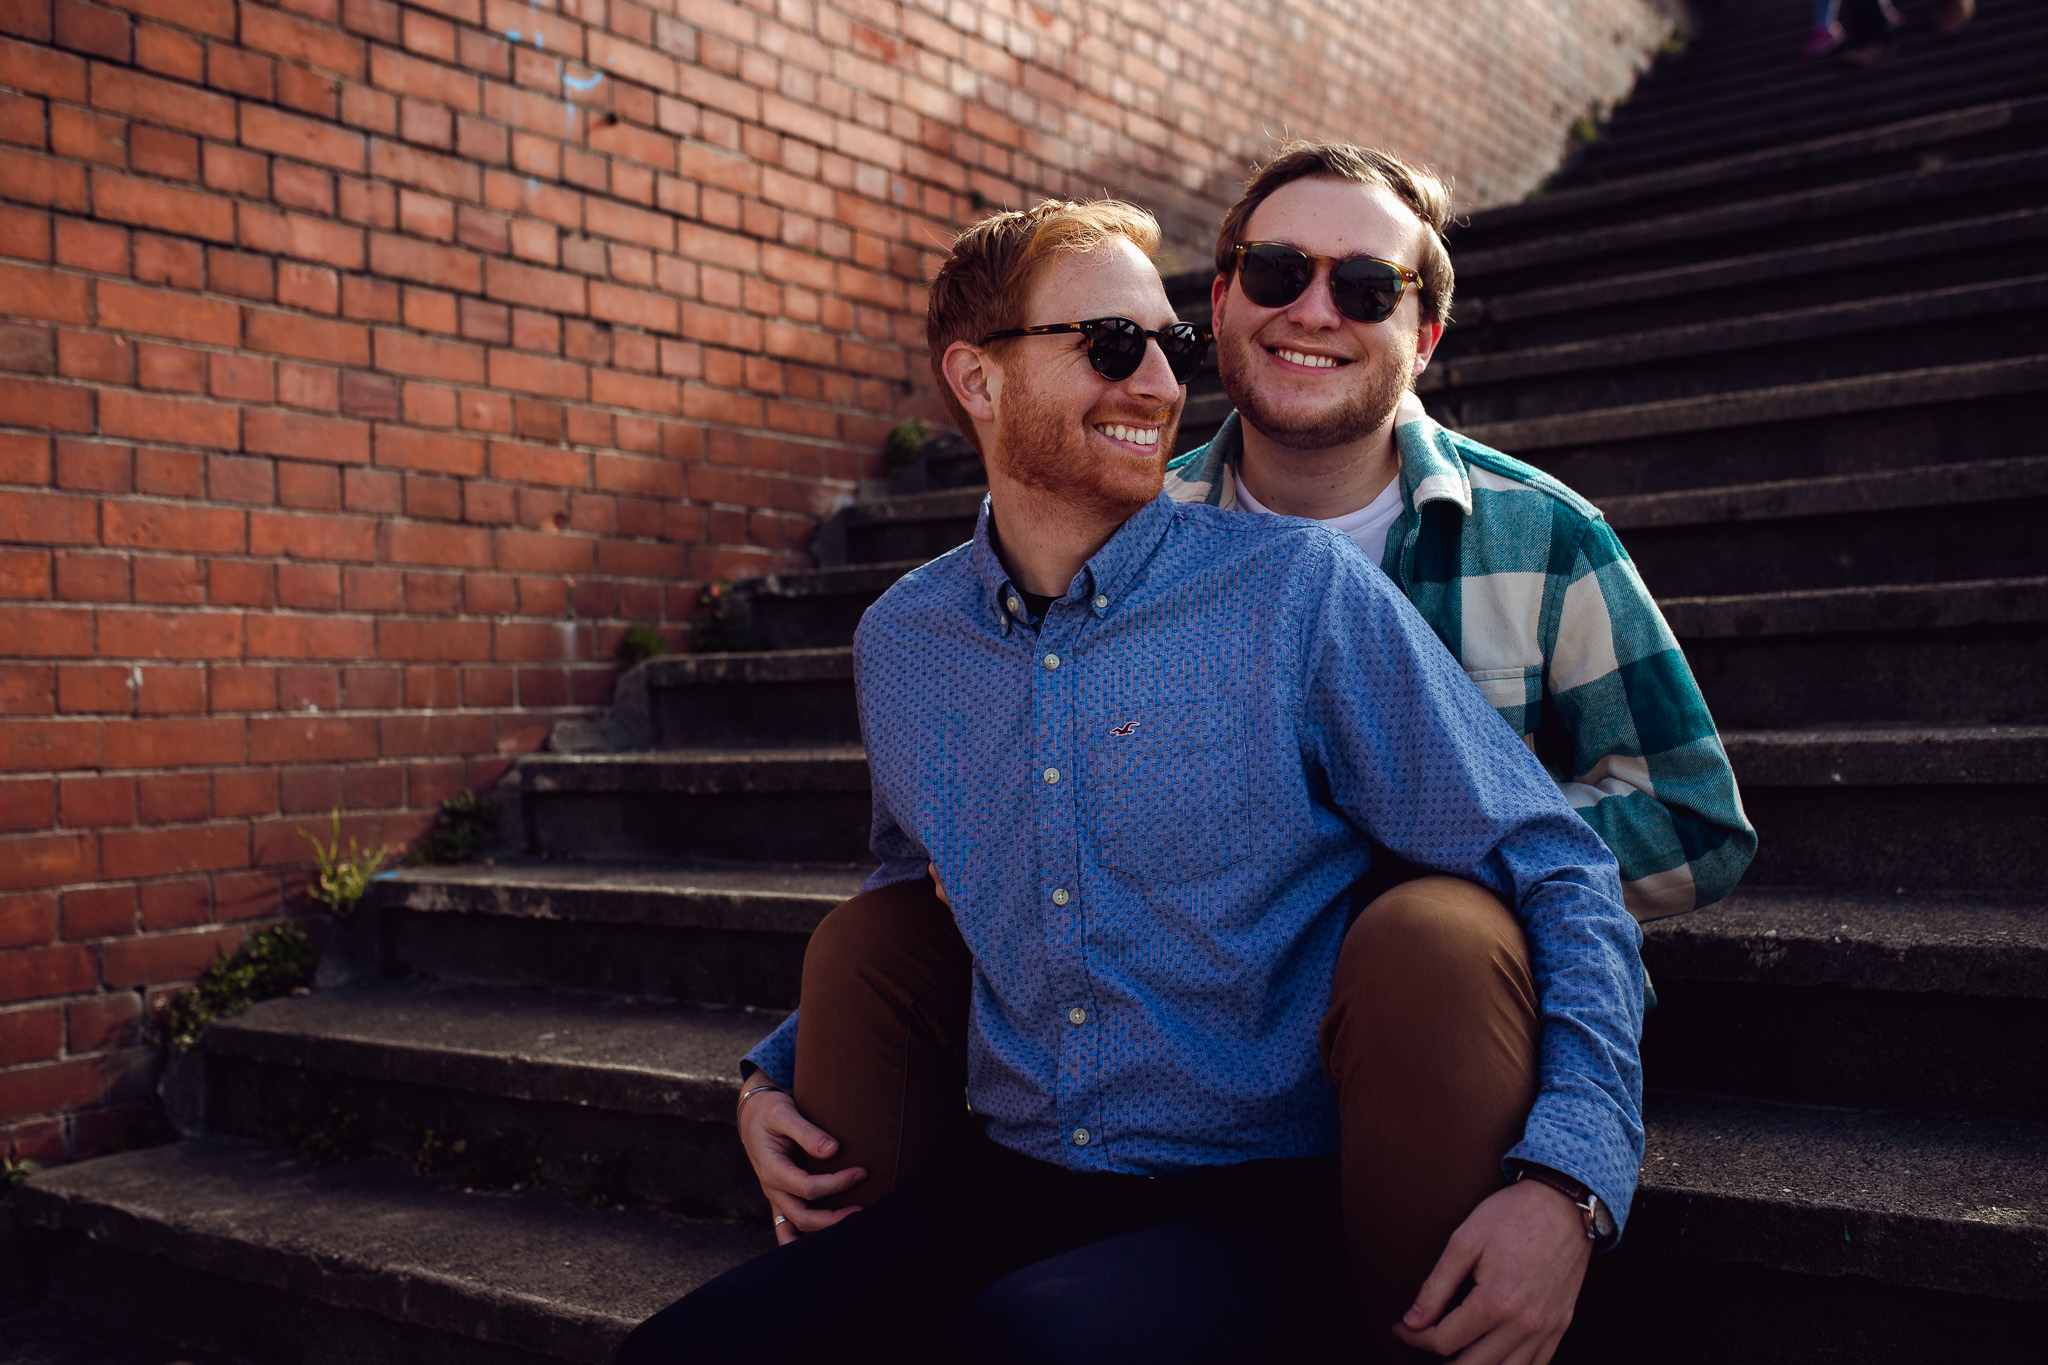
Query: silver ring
[780,1220]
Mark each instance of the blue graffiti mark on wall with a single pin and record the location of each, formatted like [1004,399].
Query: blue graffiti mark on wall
[583,84]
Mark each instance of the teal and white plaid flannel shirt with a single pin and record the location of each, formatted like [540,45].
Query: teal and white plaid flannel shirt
[1531,590]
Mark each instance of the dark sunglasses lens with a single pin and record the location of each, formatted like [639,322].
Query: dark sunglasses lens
[1184,347]
[1365,290]
[1116,347]
[1274,276]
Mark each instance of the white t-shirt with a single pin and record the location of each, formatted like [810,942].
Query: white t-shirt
[1367,527]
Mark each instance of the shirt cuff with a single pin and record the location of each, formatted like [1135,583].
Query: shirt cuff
[1578,1131]
[775,1054]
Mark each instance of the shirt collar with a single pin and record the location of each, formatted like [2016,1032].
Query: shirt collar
[1108,572]
[1431,468]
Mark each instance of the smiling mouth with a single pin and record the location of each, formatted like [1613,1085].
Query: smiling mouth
[1313,362]
[1137,436]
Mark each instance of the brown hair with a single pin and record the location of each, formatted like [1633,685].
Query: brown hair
[988,275]
[1415,186]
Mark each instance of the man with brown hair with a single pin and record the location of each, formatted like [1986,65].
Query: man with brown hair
[1147,748]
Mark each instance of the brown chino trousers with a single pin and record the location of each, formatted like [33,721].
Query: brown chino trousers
[1430,1043]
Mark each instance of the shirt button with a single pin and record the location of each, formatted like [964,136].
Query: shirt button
[1052,775]
[1015,605]
[1080,1137]
[1052,661]
[1077,1015]
[1059,896]
[1101,603]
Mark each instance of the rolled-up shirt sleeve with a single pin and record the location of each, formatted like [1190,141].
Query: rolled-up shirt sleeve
[1419,760]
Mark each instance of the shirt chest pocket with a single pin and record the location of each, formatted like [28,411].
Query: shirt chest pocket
[1166,789]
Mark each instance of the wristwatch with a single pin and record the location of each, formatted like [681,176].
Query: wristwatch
[1599,1220]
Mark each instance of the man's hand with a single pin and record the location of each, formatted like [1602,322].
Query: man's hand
[771,1130]
[1525,1248]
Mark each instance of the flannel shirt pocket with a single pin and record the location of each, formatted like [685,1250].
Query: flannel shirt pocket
[1166,788]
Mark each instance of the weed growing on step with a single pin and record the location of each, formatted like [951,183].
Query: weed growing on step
[1675,42]
[341,878]
[499,1161]
[15,1168]
[272,963]
[906,441]
[640,642]
[321,1135]
[463,829]
[719,624]
[602,1184]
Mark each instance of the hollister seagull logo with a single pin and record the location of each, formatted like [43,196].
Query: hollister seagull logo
[1126,729]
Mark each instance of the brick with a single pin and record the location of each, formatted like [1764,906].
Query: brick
[101,911]
[50,1088]
[441,546]
[302,739]
[24,459]
[534,374]
[169,104]
[309,587]
[295,39]
[246,895]
[28,1035]
[244,791]
[429,358]
[301,385]
[303,236]
[239,687]
[273,130]
[440,452]
[231,69]
[91,577]
[46,293]
[27,804]
[168,313]
[152,203]
[87,688]
[35,179]
[174,54]
[308,485]
[425,263]
[170,798]
[294,334]
[169,580]
[162,959]
[306,436]
[312,536]
[280,636]
[439,641]
[38,403]
[170,635]
[170,367]
[87,136]
[153,151]
[27,690]
[28,861]
[313,288]
[55,518]
[51,633]
[85,802]
[170,473]
[104,1021]
[173,526]
[29,350]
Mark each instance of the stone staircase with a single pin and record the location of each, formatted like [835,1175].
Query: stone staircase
[1785,325]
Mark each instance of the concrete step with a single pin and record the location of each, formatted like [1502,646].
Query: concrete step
[1932,653]
[1964,250]
[1729,113]
[792,694]
[712,807]
[1974,188]
[1989,321]
[1781,1234]
[575,1089]
[218,1242]
[225,1245]
[723,936]
[1929,808]
[1869,1002]
[794,610]
[886,530]
[1956,807]
[1843,156]
[1904,419]
[1924,524]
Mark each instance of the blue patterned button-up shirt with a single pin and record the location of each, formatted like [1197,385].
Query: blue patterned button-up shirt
[1146,809]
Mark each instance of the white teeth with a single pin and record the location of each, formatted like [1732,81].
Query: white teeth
[1137,436]
[1314,362]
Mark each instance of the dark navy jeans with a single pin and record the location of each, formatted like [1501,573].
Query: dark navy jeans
[988,1256]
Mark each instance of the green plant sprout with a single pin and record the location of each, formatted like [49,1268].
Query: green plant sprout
[905,441]
[342,878]
[275,962]
[641,641]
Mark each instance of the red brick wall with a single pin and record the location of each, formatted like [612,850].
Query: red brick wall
[365,367]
